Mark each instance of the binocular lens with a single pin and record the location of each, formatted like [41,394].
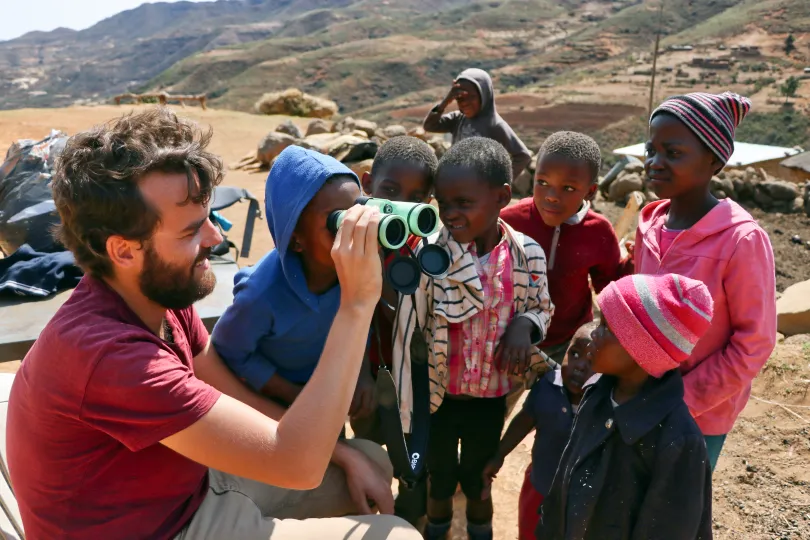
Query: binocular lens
[393,232]
[426,222]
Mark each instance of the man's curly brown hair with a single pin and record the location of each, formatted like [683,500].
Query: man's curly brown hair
[95,185]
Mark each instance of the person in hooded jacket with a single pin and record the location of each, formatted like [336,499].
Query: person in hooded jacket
[636,466]
[273,334]
[473,92]
[692,233]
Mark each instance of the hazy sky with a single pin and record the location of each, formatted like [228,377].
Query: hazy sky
[20,16]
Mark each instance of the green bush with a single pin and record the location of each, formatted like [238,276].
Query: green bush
[778,129]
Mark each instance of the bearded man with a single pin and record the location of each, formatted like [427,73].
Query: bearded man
[124,423]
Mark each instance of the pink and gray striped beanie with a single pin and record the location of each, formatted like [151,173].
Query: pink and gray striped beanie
[712,117]
[657,319]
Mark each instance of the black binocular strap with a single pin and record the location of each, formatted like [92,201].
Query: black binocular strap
[408,459]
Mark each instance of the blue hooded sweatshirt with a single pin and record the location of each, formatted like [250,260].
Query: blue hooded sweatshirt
[276,325]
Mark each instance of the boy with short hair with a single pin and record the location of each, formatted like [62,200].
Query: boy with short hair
[550,410]
[403,170]
[636,465]
[478,328]
[577,241]
[473,92]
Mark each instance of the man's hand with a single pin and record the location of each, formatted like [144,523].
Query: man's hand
[356,253]
[515,349]
[367,483]
[364,402]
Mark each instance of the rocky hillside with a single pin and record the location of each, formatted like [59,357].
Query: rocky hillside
[584,61]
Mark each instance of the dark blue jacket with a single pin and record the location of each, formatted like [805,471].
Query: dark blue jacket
[639,471]
[276,324]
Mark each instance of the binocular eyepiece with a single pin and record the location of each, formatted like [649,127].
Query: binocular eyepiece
[400,220]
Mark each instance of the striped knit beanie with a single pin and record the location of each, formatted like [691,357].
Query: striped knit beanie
[657,319]
[712,117]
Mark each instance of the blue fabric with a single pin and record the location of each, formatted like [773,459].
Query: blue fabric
[276,325]
[31,273]
[714,445]
[549,406]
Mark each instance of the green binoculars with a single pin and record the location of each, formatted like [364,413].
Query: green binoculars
[400,220]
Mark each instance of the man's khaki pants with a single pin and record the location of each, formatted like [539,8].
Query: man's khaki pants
[241,509]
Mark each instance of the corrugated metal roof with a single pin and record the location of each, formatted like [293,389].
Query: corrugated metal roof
[800,161]
[744,153]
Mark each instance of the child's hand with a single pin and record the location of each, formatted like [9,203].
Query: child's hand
[491,470]
[364,402]
[630,246]
[514,352]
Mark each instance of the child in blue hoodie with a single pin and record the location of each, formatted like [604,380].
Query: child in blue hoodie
[273,334]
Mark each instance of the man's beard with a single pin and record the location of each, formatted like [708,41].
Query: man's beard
[174,287]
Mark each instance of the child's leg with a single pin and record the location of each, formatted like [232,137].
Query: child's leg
[480,435]
[528,508]
[714,445]
[443,467]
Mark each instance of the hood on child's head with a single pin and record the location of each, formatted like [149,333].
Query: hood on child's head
[296,176]
[483,82]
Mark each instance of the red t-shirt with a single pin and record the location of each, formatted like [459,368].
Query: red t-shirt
[89,405]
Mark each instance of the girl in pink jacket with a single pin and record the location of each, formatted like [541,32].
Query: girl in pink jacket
[690,232]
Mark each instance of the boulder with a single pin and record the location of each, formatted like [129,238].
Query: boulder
[366,126]
[743,190]
[348,148]
[724,185]
[394,131]
[624,185]
[361,167]
[634,167]
[523,184]
[439,145]
[272,145]
[762,198]
[797,206]
[418,132]
[293,102]
[751,176]
[344,125]
[793,310]
[319,142]
[779,190]
[318,126]
[289,128]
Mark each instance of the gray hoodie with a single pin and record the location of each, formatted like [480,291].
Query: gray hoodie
[487,123]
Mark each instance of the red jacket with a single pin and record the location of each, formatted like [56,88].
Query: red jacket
[585,245]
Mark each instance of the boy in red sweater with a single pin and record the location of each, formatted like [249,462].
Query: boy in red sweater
[577,241]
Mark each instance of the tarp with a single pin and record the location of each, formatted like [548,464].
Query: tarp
[27,212]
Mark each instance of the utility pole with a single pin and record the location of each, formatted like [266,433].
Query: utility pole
[655,59]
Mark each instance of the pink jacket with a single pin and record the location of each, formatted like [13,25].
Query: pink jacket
[732,255]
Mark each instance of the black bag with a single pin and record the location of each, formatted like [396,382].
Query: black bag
[27,211]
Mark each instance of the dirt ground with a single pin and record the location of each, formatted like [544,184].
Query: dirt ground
[762,484]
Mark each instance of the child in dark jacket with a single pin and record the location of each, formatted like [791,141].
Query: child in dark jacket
[636,466]
[577,241]
[549,409]
[473,92]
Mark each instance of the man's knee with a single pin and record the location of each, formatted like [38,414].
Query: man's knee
[385,527]
[376,454]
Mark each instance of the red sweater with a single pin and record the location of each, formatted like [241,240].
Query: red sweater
[587,245]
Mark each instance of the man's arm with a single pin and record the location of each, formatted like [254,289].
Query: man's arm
[294,452]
